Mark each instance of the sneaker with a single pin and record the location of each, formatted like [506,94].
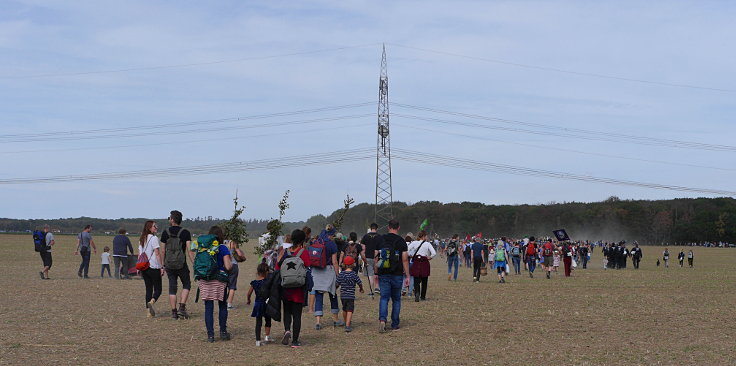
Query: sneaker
[286,339]
[174,314]
[381,327]
[259,343]
[531,275]
[548,275]
[377,291]
[86,277]
[475,278]
[79,274]
[348,329]
[210,339]
[42,276]
[499,281]
[449,277]
[183,311]
[318,326]
[416,297]
[296,344]
[230,306]
[224,336]
[503,280]
[151,310]
[395,328]
[268,339]
[338,323]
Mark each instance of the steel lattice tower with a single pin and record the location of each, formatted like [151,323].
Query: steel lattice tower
[384,197]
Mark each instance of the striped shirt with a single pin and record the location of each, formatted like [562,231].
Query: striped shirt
[347,281]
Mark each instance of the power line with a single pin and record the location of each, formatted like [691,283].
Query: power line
[563,71]
[475,165]
[161,67]
[239,166]
[552,147]
[563,131]
[187,123]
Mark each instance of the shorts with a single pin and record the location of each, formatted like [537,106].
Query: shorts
[232,278]
[500,264]
[46,258]
[183,274]
[369,267]
[348,305]
[548,261]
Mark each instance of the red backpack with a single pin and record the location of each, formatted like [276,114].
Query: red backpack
[318,253]
[547,250]
[531,249]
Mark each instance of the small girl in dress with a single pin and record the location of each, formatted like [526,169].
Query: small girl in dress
[556,260]
[259,307]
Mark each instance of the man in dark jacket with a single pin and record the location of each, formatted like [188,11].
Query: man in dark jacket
[120,247]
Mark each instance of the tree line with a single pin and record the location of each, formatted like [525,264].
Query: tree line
[674,221]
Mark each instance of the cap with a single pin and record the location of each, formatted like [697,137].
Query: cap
[348,261]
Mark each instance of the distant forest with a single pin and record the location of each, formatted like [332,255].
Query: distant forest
[649,222]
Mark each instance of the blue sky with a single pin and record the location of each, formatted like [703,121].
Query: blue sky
[283,56]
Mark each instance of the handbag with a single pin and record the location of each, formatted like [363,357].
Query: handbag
[142,264]
[420,265]
[484,270]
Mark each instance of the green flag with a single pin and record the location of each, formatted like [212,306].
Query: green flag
[424,224]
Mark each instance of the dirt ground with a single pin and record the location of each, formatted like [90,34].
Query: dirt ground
[648,316]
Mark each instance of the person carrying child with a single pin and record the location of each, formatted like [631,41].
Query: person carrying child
[259,307]
[105,262]
[346,280]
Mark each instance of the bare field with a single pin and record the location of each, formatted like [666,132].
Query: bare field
[648,316]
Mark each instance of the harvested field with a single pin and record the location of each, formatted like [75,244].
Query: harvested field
[648,316]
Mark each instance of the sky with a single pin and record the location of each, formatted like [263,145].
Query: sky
[139,87]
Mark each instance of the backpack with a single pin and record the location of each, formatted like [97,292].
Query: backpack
[174,255]
[318,253]
[515,251]
[293,271]
[351,250]
[531,249]
[389,260]
[451,248]
[205,261]
[500,255]
[39,241]
[546,251]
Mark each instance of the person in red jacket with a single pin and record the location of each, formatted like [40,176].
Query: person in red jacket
[548,250]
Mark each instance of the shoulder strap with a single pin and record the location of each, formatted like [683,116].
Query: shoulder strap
[417,252]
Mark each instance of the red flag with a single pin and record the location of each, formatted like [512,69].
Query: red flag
[467,237]
[480,235]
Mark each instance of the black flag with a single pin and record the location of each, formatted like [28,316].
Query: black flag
[561,234]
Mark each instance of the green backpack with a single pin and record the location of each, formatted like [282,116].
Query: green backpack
[205,261]
[500,254]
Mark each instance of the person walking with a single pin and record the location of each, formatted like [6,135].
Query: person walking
[636,255]
[690,257]
[105,260]
[293,299]
[681,258]
[176,243]
[452,251]
[477,252]
[547,254]
[84,242]
[421,251]
[531,256]
[149,244]
[500,260]
[214,289]
[121,245]
[666,258]
[347,279]
[324,275]
[370,242]
[259,307]
[516,257]
[567,253]
[46,252]
[392,268]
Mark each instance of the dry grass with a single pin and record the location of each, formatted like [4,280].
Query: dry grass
[651,316]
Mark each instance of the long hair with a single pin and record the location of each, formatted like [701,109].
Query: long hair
[217,231]
[146,230]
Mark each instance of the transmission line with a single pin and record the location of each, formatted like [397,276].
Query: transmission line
[434,159]
[174,66]
[563,71]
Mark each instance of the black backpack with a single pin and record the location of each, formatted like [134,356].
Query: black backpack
[39,241]
[451,248]
[174,258]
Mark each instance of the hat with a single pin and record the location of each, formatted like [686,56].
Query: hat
[348,261]
[286,245]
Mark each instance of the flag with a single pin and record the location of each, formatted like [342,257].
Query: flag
[561,234]
[480,235]
[424,224]
[467,237]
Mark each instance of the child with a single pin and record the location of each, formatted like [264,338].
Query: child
[259,307]
[346,280]
[556,260]
[105,262]
[232,278]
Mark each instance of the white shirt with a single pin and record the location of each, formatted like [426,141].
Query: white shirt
[49,239]
[148,247]
[105,258]
[427,250]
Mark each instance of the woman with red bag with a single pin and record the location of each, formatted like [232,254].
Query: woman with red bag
[421,252]
[149,265]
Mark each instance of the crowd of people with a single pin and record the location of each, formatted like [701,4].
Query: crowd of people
[298,273]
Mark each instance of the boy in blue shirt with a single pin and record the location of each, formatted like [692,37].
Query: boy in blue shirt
[347,280]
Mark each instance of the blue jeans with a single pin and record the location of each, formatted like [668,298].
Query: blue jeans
[319,299]
[453,261]
[410,288]
[531,262]
[390,289]
[85,263]
[209,315]
[517,264]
